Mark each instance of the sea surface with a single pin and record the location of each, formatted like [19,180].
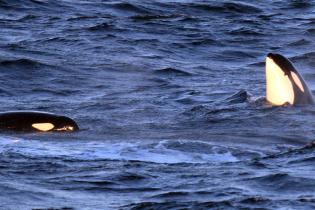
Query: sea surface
[169,96]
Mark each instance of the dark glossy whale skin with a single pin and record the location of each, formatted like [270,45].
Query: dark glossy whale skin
[23,121]
[284,63]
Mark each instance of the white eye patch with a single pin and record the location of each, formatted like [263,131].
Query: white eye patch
[43,126]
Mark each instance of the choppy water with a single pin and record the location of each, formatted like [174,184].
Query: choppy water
[169,98]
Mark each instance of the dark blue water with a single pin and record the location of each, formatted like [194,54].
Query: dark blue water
[169,96]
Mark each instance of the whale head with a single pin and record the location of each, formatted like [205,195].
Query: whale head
[64,123]
[284,85]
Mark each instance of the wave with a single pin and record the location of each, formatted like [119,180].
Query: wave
[300,4]
[239,97]
[22,62]
[225,204]
[157,17]
[307,56]
[19,4]
[101,26]
[300,42]
[172,72]
[246,31]
[125,6]
[282,182]
[162,152]
[233,7]
[53,91]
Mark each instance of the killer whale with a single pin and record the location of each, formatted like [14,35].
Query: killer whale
[284,85]
[32,121]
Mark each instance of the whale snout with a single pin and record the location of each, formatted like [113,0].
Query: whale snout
[66,124]
[270,55]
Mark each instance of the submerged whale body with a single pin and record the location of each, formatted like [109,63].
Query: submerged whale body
[284,85]
[28,121]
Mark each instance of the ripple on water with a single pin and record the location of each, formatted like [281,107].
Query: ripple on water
[155,86]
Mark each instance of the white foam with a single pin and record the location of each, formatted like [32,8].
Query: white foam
[95,150]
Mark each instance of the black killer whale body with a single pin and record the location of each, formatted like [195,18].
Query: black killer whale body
[284,85]
[32,121]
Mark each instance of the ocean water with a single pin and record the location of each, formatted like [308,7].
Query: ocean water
[169,96]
